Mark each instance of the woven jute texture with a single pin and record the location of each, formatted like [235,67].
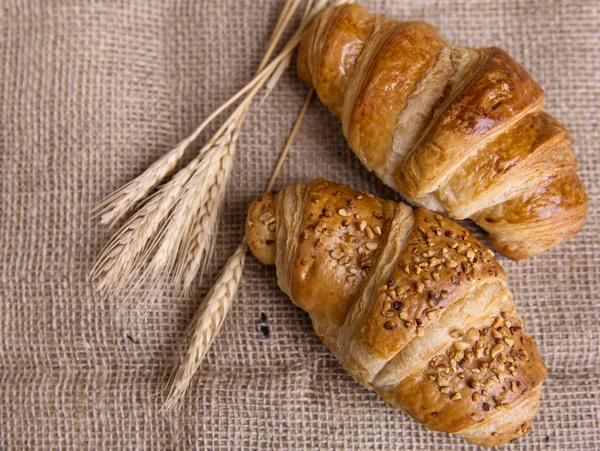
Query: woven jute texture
[91,93]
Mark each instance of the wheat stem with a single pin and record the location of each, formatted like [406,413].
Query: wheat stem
[290,140]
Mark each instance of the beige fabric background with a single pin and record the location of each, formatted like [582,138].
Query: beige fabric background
[92,92]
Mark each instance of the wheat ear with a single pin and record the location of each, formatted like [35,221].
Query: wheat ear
[199,242]
[207,323]
[192,218]
[114,267]
[118,204]
[123,258]
[209,318]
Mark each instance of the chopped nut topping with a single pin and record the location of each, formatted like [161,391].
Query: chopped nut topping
[460,346]
[362,225]
[472,334]
[435,262]
[265,216]
[442,381]
[344,260]
[433,316]
[371,246]
[390,325]
[456,333]
[456,397]
[342,212]
[443,368]
[336,254]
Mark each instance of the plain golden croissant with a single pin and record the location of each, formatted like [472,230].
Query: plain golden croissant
[410,303]
[457,130]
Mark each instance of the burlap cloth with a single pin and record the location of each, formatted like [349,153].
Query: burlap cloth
[93,92]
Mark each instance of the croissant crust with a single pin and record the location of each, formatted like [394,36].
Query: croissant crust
[412,305]
[457,130]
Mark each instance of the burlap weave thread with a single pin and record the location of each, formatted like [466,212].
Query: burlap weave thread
[91,93]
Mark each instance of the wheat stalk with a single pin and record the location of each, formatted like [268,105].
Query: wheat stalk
[181,237]
[117,204]
[208,320]
[199,240]
[176,226]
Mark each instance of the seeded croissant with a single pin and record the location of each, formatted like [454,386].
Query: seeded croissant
[410,303]
[457,130]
